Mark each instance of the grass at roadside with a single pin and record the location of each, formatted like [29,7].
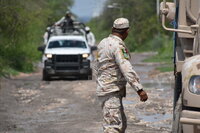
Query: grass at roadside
[7,71]
[167,61]
[168,68]
[164,55]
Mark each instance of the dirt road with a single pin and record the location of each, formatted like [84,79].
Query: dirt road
[30,105]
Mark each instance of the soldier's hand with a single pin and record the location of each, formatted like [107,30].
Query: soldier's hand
[143,95]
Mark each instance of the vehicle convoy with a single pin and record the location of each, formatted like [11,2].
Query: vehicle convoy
[186,17]
[66,54]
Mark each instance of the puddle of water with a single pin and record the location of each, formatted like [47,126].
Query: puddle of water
[155,117]
[165,90]
[51,111]
[162,91]
[128,102]
[158,85]
[130,98]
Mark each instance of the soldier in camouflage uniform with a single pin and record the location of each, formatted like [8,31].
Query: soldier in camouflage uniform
[114,70]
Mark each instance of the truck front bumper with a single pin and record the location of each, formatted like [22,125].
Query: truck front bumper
[190,117]
[68,69]
[68,72]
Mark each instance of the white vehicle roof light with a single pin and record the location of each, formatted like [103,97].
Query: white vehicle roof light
[194,85]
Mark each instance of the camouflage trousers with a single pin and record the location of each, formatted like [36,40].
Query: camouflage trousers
[114,119]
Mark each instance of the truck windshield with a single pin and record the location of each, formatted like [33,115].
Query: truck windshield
[67,44]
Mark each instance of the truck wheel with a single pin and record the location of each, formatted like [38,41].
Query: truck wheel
[85,77]
[45,76]
[177,88]
[89,77]
[177,127]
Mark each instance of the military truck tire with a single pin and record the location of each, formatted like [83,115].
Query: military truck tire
[177,127]
[85,77]
[45,76]
[177,88]
[89,77]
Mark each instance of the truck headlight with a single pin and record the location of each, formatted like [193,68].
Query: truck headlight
[85,55]
[194,85]
[49,55]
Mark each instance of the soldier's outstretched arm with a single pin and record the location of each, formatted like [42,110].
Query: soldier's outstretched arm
[122,59]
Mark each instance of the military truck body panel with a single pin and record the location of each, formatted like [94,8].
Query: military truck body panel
[185,15]
[191,69]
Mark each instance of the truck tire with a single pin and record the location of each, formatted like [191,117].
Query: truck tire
[85,77]
[89,77]
[177,88]
[177,127]
[45,76]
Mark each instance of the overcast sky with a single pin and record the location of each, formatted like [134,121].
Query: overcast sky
[87,8]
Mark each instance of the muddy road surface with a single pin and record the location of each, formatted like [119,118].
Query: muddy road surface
[30,105]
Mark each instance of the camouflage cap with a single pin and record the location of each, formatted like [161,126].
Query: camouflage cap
[121,23]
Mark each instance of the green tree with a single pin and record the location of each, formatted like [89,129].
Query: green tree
[143,21]
[22,26]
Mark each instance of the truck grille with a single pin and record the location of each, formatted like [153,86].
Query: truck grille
[67,68]
[67,58]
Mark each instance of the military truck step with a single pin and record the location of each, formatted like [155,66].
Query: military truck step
[188,51]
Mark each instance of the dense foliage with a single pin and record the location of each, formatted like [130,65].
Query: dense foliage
[22,25]
[145,31]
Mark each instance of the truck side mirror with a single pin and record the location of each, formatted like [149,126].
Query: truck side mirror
[93,48]
[168,9]
[41,48]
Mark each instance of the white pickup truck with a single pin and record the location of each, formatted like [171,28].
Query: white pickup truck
[66,56]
